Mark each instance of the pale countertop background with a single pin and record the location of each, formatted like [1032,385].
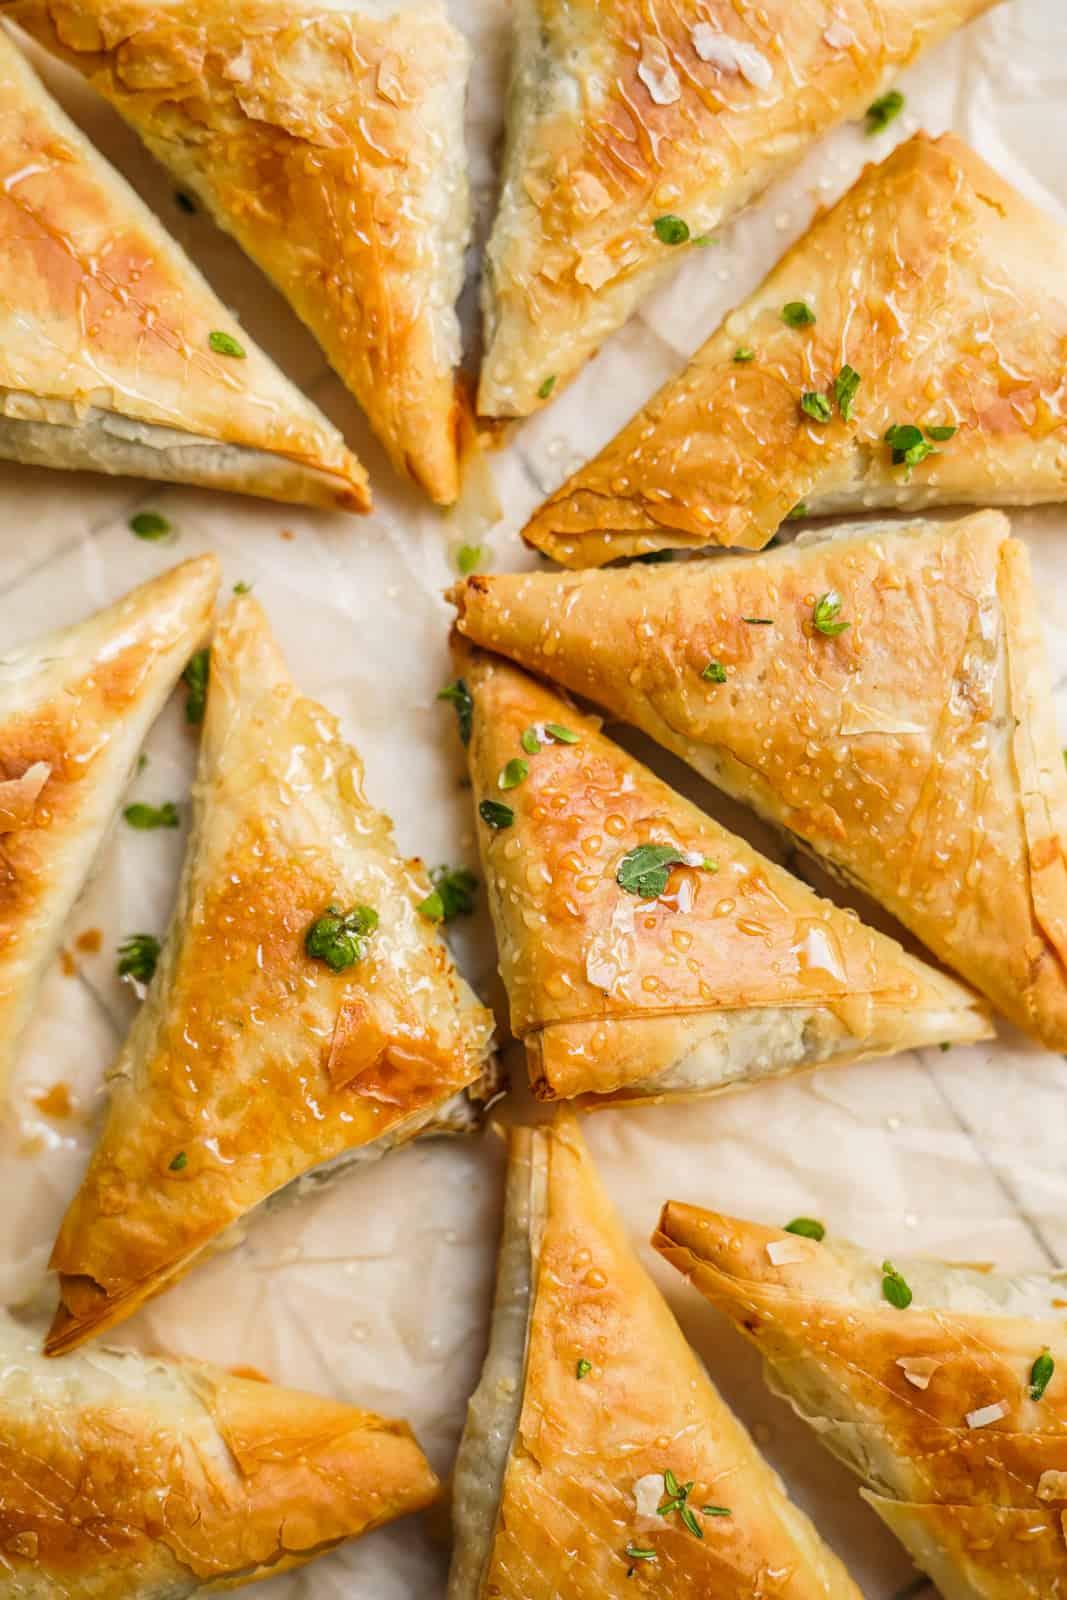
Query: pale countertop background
[378,1290]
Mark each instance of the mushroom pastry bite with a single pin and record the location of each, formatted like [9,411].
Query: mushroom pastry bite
[938,1384]
[75,707]
[327,138]
[634,131]
[881,692]
[926,373]
[115,355]
[648,953]
[304,1015]
[598,1459]
[132,1477]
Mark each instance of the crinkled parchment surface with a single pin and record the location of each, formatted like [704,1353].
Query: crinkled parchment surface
[378,1290]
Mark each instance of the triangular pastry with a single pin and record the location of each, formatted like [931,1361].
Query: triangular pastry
[927,373]
[115,355]
[329,141]
[631,976]
[634,131]
[884,695]
[942,1386]
[75,707]
[131,1477]
[597,1459]
[276,1043]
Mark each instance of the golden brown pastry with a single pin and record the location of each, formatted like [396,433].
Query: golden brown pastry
[74,710]
[329,141]
[597,1459]
[948,327]
[884,696]
[131,1477]
[115,355]
[649,953]
[304,1016]
[634,131]
[942,1386]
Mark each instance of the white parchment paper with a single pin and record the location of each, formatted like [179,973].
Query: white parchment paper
[378,1290]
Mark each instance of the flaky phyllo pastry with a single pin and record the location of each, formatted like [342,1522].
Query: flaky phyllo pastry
[597,1459]
[940,1385]
[634,130]
[304,1016]
[74,709]
[907,351]
[882,693]
[115,355]
[328,139]
[647,951]
[130,1477]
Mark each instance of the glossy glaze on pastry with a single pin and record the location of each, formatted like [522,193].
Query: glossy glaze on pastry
[733,971]
[915,750]
[252,1064]
[75,707]
[950,1407]
[115,355]
[590,1397]
[624,115]
[329,141]
[132,1477]
[935,283]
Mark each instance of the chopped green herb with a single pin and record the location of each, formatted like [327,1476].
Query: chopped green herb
[145,817]
[583,1369]
[825,614]
[714,672]
[460,696]
[452,894]
[881,112]
[716,1511]
[138,956]
[845,385]
[744,352]
[798,511]
[944,1045]
[184,202]
[759,622]
[701,240]
[894,1287]
[336,937]
[816,406]
[149,525]
[636,1553]
[670,229]
[195,677]
[646,869]
[224,344]
[495,815]
[241,587]
[908,445]
[1041,1374]
[652,558]
[515,772]
[944,431]
[691,1522]
[180,1162]
[142,762]
[530,742]
[678,1500]
[467,558]
[560,734]
[547,387]
[806,1227]
[798,314]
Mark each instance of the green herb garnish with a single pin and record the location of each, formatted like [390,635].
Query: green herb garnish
[224,344]
[714,672]
[138,956]
[798,511]
[195,678]
[759,622]
[460,696]
[825,612]
[634,1552]
[670,229]
[241,587]
[806,1227]
[798,314]
[145,817]
[547,387]
[336,937]
[452,894]
[845,385]
[583,1369]
[180,1162]
[908,445]
[467,558]
[716,1511]
[943,431]
[678,1500]
[646,869]
[1041,1374]
[149,525]
[744,352]
[515,772]
[816,406]
[560,734]
[530,742]
[894,1287]
[495,815]
[881,112]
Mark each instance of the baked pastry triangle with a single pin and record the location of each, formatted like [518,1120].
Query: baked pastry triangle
[278,1044]
[885,697]
[593,1415]
[635,132]
[940,1385]
[115,355]
[75,707]
[648,952]
[930,372]
[130,1477]
[329,142]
